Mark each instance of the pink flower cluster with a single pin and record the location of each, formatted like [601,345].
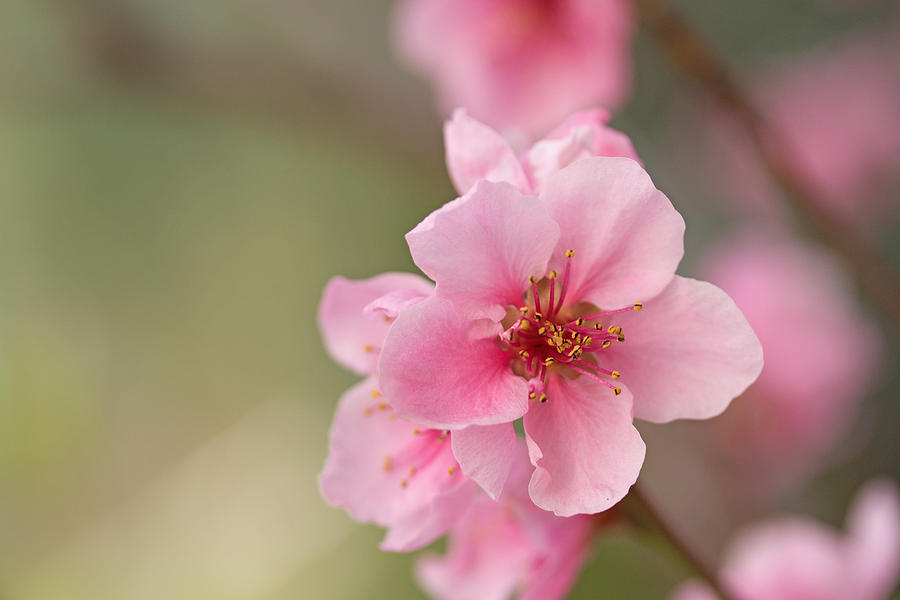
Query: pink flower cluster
[800,559]
[555,302]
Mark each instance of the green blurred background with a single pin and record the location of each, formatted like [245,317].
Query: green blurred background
[177,182]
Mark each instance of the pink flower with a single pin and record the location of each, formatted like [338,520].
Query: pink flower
[381,468]
[837,111]
[535,295]
[475,151]
[800,559]
[796,299]
[500,548]
[519,64]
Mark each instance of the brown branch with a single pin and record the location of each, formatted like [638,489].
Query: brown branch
[878,281]
[651,518]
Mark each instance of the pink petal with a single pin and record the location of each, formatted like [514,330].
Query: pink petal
[584,446]
[487,558]
[482,251]
[475,151]
[687,354]
[582,135]
[370,455]
[419,528]
[351,337]
[627,236]
[438,375]
[486,454]
[874,540]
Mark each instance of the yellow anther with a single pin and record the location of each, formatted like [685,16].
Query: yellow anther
[579,321]
[542,331]
[404,483]
[606,344]
[617,391]
[574,349]
[451,470]
[532,395]
[549,361]
[393,416]
[388,463]
[532,279]
[598,326]
[523,353]
[543,398]
[416,432]
[570,253]
[615,374]
[383,406]
[375,393]
[525,325]
[368,410]
[638,305]
[554,274]
[524,310]
[621,338]
[369,348]
[538,316]
[587,340]
[614,330]
[412,470]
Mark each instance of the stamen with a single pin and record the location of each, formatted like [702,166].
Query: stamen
[553,275]
[638,305]
[451,470]
[537,297]
[543,398]
[565,283]
[375,393]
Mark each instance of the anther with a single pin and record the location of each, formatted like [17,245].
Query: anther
[579,321]
[638,305]
[368,410]
[570,253]
[412,470]
[383,406]
[451,470]
[549,361]
[554,274]
[543,398]
[615,374]
[617,391]
[532,396]
[404,483]
[606,344]
[532,279]
[375,393]
[542,331]
[538,316]
[388,463]
[369,348]
[416,432]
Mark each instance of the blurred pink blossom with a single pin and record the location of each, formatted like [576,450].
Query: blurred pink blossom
[821,354]
[598,238]
[519,65]
[509,546]
[380,468]
[801,559]
[475,151]
[837,113]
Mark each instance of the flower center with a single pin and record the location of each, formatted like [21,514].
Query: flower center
[426,452]
[548,335]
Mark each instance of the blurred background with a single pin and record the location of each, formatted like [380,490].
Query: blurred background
[178,180]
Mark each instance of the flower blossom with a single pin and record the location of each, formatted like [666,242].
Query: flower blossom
[381,468]
[535,297]
[519,64]
[801,559]
[795,298]
[837,113]
[509,546]
[475,151]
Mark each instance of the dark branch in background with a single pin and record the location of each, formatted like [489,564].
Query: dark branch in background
[126,48]
[687,50]
[646,516]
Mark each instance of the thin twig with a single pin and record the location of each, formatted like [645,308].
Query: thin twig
[638,498]
[686,49]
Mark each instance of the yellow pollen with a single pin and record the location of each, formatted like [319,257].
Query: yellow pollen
[542,331]
[383,406]
[538,316]
[532,395]
[369,348]
[606,344]
[574,349]
[388,463]
[532,279]
[615,374]
[614,329]
[543,398]
[451,470]
[523,353]
[617,391]
[375,393]
[570,253]
[579,321]
[598,326]
[416,432]
[525,325]
[554,274]
[638,305]
[548,361]
[587,340]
